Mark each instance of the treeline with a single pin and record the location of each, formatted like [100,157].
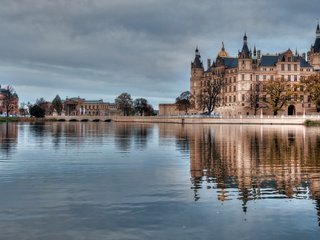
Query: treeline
[124,103]
[139,106]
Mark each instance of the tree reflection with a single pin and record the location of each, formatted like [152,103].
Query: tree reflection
[8,137]
[128,134]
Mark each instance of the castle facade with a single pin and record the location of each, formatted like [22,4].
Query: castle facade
[242,73]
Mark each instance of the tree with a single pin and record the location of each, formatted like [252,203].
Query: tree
[150,111]
[184,102]
[278,94]
[311,86]
[209,98]
[57,104]
[36,111]
[45,105]
[124,103]
[9,100]
[254,97]
[140,106]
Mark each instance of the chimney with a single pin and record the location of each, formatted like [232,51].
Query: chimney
[209,62]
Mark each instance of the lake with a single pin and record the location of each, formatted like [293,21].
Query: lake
[158,181]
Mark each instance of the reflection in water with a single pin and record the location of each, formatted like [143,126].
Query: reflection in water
[138,175]
[8,137]
[261,162]
[126,133]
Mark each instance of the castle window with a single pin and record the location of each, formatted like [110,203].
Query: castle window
[234,98]
[242,77]
[289,67]
[282,67]
[295,78]
[289,78]
[282,77]
[271,77]
[257,77]
[264,77]
[243,97]
[295,67]
[234,88]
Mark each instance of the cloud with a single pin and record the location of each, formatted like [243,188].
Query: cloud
[144,47]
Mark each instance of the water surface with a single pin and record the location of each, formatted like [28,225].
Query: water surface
[157,181]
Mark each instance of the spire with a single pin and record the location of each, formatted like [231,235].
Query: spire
[245,38]
[197,63]
[245,53]
[197,53]
[316,46]
[223,53]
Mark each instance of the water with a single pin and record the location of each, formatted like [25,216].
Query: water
[156,181]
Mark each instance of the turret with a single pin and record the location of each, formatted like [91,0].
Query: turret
[245,53]
[254,53]
[197,63]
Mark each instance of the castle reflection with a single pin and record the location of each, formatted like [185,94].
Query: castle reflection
[254,162]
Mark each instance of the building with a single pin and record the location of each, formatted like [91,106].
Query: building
[7,95]
[242,73]
[79,106]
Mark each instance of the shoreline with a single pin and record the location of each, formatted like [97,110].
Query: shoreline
[268,120]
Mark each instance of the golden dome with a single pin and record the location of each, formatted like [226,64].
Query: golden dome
[223,53]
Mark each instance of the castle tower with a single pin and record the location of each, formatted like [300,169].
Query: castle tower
[314,53]
[245,68]
[197,74]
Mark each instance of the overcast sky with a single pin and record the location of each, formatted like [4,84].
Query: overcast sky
[98,49]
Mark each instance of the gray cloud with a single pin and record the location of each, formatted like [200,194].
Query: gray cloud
[98,49]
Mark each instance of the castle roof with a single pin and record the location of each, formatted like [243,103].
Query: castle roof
[268,60]
[197,63]
[271,61]
[223,52]
[316,46]
[230,62]
[304,63]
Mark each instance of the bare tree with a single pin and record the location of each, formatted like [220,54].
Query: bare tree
[209,98]
[140,106]
[9,100]
[124,102]
[184,102]
[254,97]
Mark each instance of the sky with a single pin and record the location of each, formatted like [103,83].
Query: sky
[97,49]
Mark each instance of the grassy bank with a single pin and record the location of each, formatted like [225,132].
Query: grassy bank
[311,123]
[24,119]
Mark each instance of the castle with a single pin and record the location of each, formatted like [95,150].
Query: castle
[248,68]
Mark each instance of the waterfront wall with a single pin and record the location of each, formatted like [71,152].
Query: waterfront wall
[271,120]
[300,120]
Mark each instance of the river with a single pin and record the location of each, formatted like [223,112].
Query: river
[158,181]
